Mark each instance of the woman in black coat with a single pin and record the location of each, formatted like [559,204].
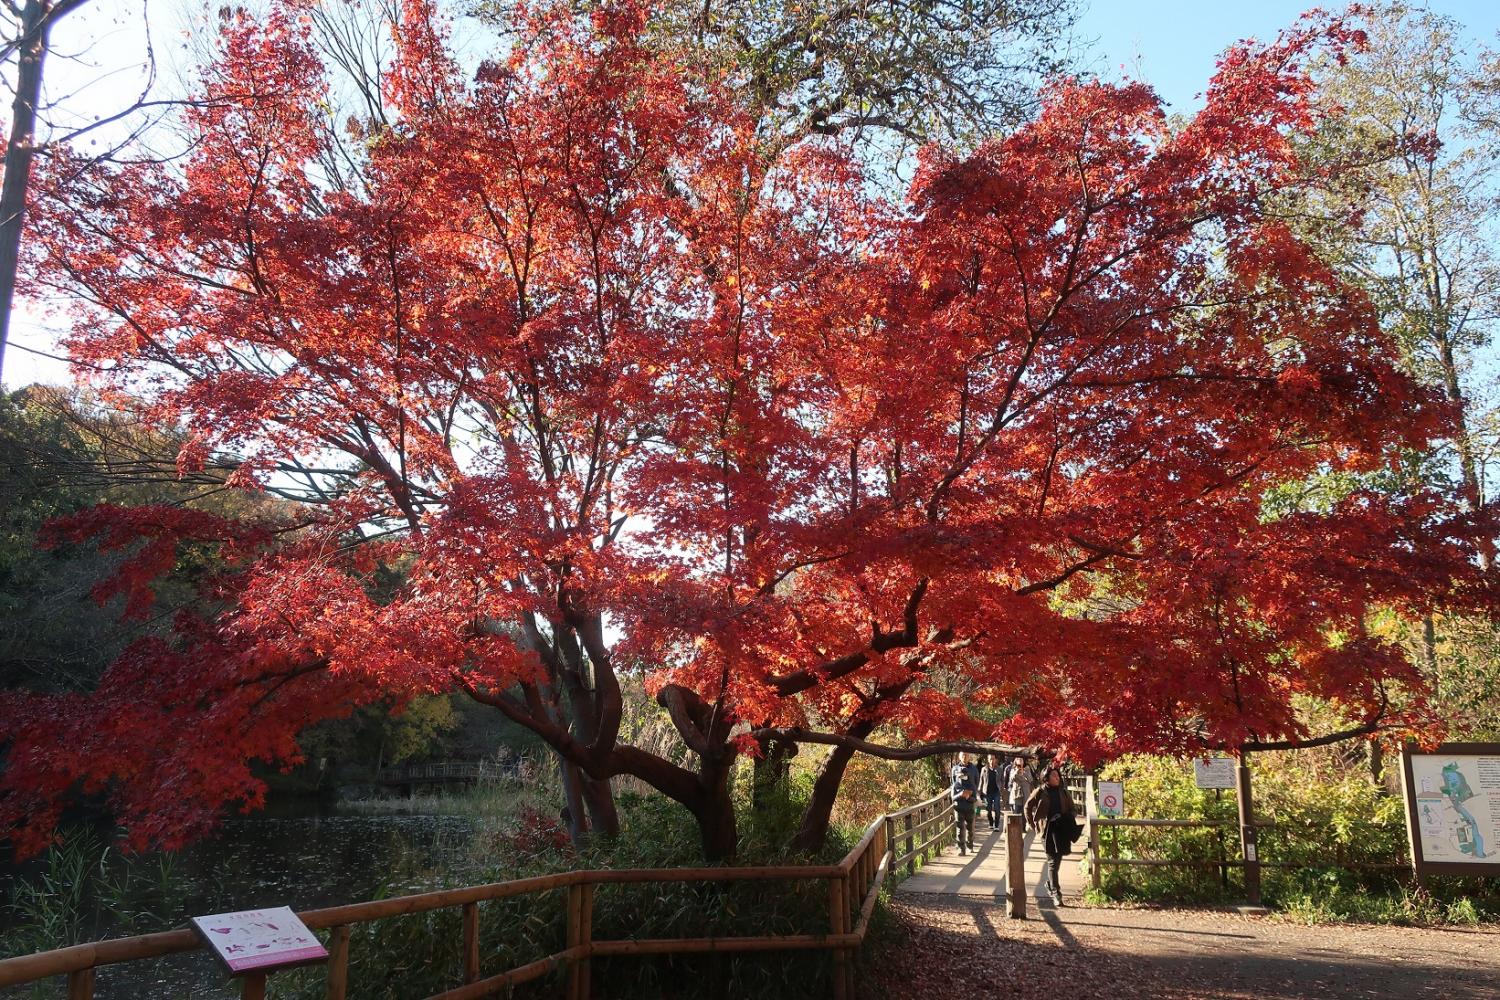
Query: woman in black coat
[1052,806]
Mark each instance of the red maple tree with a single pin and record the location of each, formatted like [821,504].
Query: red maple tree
[616,387]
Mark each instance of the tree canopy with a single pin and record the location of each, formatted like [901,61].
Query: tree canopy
[620,394]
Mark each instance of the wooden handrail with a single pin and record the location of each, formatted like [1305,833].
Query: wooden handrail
[1097,861]
[1205,823]
[899,813]
[861,873]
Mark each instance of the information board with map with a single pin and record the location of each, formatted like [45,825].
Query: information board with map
[1453,808]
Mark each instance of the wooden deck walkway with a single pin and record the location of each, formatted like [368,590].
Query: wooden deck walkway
[982,872]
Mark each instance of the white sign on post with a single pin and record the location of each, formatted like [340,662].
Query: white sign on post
[1111,799]
[260,940]
[1214,772]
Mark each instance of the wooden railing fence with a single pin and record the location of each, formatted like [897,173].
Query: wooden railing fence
[853,888]
[1104,852]
[452,770]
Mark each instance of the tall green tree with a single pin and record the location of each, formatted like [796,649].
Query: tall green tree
[1418,222]
[63,450]
[1410,213]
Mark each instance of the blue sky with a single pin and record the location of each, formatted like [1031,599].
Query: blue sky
[1171,44]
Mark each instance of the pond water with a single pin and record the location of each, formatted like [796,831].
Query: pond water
[302,861]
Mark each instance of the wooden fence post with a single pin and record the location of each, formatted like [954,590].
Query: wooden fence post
[81,985]
[838,923]
[586,938]
[338,962]
[1015,859]
[575,930]
[1091,812]
[1096,872]
[471,942]
[254,987]
[1247,831]
[911,862]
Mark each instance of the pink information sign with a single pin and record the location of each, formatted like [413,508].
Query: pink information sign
[260,940]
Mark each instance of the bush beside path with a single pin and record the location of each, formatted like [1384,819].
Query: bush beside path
[953,947]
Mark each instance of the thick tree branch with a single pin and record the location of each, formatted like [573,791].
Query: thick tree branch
[918,752]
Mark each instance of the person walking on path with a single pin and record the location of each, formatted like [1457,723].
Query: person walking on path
[965,792]
[991,788]
[1019,786]
[1051,806]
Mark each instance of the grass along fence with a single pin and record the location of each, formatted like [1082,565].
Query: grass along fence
[853,887]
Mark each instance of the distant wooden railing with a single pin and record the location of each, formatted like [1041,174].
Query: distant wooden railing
[853,888]
[451,770]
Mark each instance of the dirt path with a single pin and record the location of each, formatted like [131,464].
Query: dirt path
[967,948]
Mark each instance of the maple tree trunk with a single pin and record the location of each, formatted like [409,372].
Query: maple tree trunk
[573,793]
[599,798]
[813,831]
[714,811]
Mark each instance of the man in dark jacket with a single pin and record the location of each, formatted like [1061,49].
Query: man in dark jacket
[965,792]
[991,788]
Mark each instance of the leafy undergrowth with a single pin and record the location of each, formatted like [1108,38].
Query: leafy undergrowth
[1333,896]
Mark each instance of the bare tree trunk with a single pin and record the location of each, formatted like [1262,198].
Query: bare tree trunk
[36,22]
[1429,648]
[705,792]
[1377,764]
[1468,465]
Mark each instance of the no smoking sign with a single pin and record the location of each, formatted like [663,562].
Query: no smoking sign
[1111,798]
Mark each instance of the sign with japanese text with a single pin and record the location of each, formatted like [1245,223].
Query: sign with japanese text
[260,940]
[1214,772]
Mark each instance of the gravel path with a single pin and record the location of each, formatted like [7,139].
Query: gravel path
[967,949]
